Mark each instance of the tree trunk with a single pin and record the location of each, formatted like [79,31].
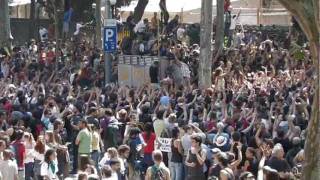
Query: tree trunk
[307,14]
[4,24]
[98,24]
[139,10]
[32,31]
[164,12]
[220,26]
[205,44]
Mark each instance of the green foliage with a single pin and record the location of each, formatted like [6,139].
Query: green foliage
[82,10]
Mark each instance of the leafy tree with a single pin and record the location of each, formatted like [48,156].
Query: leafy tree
[4,24]
[306,12]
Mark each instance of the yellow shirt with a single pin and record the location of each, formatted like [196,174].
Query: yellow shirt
[95,141]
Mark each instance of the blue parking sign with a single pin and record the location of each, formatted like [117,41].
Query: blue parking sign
[110,39]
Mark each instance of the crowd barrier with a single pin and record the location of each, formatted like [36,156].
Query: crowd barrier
[134,70]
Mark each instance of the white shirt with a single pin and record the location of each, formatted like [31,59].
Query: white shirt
[33,48]
[78,26]
[5,69]
[29,155]
[186,143]
[8,169]
[122,165]
[234,22]
[38,156]
[141,47]
[43,34]
[72,77]
[180,33]
[185,70]
[104,160]
[238,40]
[140,27]
[46,170]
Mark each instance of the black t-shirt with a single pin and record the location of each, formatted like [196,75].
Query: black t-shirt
[254,166]
[172,24]
[145,117]
[75,120]
[153,72]
[281,165]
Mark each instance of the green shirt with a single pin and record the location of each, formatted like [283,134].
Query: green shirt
[85,144]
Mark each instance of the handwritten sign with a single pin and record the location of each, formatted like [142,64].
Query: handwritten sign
[165,144]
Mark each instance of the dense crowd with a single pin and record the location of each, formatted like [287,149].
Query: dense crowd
[58,119]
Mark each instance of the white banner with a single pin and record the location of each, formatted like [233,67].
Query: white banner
[165,144]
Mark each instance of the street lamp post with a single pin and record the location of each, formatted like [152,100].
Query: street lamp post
[108,58]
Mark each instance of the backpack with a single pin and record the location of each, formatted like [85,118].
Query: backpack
[157,173]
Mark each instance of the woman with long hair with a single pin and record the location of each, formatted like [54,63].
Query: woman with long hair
[50,139]
[112,153]
[149,137]
[176,165]
[49,167]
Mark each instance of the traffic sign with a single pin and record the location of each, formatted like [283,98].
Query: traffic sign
[110,37]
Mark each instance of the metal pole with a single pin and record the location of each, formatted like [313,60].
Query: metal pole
[107,56]
[258,13]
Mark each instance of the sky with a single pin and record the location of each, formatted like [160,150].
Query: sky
[18,2]
[172,5]
[153,5]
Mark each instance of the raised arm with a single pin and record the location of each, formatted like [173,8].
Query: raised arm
[190,116]
[245,131]
[275,127]
[257,137]
[236,163]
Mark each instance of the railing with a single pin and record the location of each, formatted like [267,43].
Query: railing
[134,70]
[137,60]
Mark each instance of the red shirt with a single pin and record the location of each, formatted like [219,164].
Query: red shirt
[50,57]
[42,57]
[8,107]
[19,150]
[150,142]
[227,3]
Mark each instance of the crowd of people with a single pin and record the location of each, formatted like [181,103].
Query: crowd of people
[58,119]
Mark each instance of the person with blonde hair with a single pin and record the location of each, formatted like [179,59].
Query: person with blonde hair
[158,170]
[112,153]
[29,158]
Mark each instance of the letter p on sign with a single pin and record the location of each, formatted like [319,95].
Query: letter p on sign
[109,34]
[110,38]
